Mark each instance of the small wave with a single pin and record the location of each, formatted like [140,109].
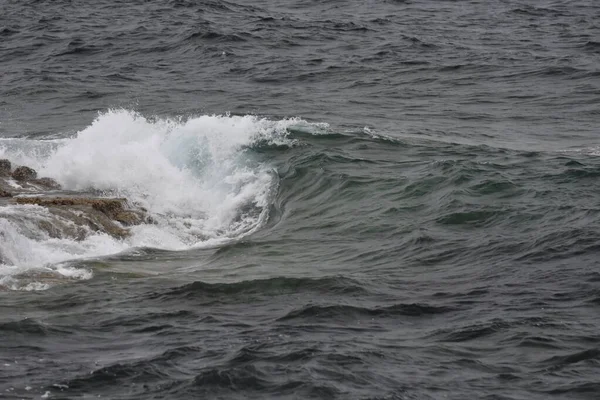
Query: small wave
[8,31]
[216,36]
[580,173]
[345,311]
[345,26]
[592,46]
[561,244]
[538,11]
[490,186]
[141,371]
[553,72]
[475,217]
[24,327]
[250,378]
[558,362]
[240,378]
[223,380]
[416,42]
[121,77]
[208,4]
[590,389]
[541,342]
[452,68]
[264,287]
[78,47]
[473,332]
[147,322]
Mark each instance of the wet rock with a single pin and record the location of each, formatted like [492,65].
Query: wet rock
[86,220]
[5,167]
[73,215]
[98,214]
[46,183]
[130,217]
[24,173]
[107,206]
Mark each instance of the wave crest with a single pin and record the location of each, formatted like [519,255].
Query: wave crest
[198,178]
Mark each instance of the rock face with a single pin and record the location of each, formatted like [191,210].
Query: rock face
[76,215]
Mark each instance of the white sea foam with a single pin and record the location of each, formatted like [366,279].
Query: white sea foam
[591,151]
[28,252]
[195,178]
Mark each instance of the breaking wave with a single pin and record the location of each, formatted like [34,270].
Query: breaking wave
[197,177]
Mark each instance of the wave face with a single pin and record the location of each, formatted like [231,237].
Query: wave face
[196,177]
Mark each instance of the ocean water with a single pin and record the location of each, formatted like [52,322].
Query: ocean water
[350,200]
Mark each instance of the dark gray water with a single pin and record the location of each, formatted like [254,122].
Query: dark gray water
[353,200]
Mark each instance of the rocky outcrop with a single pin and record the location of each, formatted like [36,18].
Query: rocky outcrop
[24,173]
[75,214]
[5,167]
[98,214]
[47,183]
[22,180]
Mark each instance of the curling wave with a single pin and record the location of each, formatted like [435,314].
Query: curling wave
[197,178]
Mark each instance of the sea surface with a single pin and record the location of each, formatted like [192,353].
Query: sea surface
[377,199]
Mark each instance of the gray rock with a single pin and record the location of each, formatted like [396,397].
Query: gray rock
[47,183]
[5,167]
[24,173]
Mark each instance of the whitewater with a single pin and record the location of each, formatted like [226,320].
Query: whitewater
[195,176]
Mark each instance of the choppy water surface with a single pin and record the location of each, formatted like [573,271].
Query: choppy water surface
[366,200]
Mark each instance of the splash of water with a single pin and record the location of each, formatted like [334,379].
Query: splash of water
[195,177]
